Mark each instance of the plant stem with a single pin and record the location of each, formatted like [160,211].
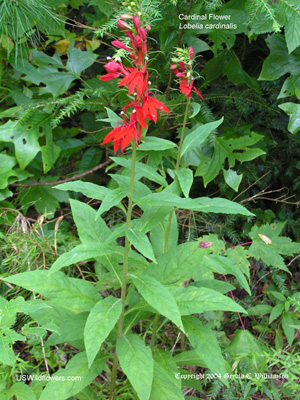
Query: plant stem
[155,323]
[125,272]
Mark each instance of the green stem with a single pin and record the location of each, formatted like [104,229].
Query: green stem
[125,272]
[155,323]
[154,330]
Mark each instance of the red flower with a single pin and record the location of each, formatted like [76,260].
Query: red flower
[122,135]
[150,105]
[136,79]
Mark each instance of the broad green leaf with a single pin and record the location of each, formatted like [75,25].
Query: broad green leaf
[50,151]
[233,149]
[152,143]
[190,357]
[88,189]
[45,199]
[246,348]
[101,320]
[137,363]
[21,391]
[214,284]
[166,384]
[151,217]
[139,189]
[7,171]
[70,328]
[232,179]
[158,296]
[89,230]
[112,199]
[225,266]
[143,169]
[82,252]
[77,366]
[204,204]
[25,136]
[104,6]
[141,242]
[198,136]
[271,253]
[205,343]
[74,294]
[185,177]
[7,338]
[158,234]
[79,60]
[293,111]
[259,309]
[194,300]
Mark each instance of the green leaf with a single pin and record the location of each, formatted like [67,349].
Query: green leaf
[185,177]
[158,234]
[225,266]
[137,363]
[205,343]
[101,320]
[152,143]
[271,253]
[276,312]
[112,119]
[25,136]
[198,136]
[233,149]
[112,199]
[142,169]
[189,357]
[74,294]
[165,384]
[151,217]
[158,296]
[7,338]
[89,230]
[77,366]
[21,391]
[82,252]
[196,108]
[292,32]
[88,189]
[293,111]
[139,189]
[194,300]
[232,179]
[204,204]
[287,322]
[104,6]
[141,242]
[50,151]
[79,60]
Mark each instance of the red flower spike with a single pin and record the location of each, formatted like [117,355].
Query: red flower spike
[120,45]
[138,41]
[182,66]
[136,23]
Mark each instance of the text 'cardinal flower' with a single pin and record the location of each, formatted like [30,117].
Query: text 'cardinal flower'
[145,104]
[182,67]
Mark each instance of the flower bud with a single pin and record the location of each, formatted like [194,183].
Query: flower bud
[148,27]
[125,16]
[122,24]
[143,34]
[191,52]
[136,22]
[138,41]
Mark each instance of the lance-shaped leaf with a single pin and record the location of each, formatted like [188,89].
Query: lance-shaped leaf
[206,345]
[141,242]
[137,363]
[185,177]
[101,320]
[158,297]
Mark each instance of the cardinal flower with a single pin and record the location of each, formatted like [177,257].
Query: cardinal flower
[150,105]
[122,135]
